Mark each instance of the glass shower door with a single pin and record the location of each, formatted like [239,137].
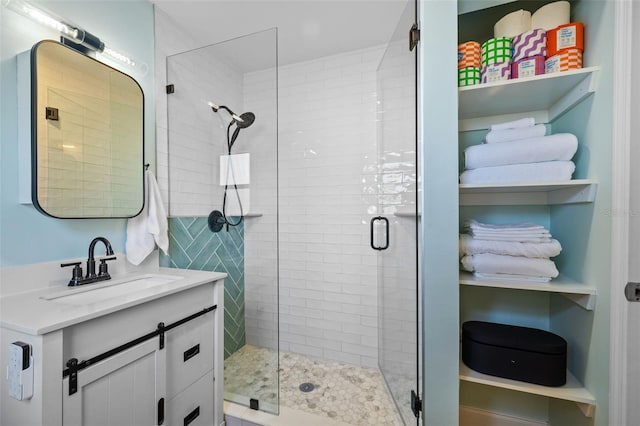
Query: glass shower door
[395,229]
[223,167]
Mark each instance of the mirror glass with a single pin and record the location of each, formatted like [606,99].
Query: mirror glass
[87,136]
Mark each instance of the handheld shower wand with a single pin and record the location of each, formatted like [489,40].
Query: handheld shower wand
[217,219]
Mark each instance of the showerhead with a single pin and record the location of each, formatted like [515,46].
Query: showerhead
[246,120]
[242,121]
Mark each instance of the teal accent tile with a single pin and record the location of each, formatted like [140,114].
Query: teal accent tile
[193,246]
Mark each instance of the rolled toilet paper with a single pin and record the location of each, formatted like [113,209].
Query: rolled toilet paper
[529,44]
[495,72]
[513,24]
[496,50]
[551,15]
[528,67]
[469,54]
[567,36]
[569,59]
[469,76]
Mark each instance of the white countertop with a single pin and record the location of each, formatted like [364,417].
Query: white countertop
[30,312]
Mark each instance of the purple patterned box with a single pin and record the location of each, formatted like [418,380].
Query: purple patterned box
[495,72]
[529,44]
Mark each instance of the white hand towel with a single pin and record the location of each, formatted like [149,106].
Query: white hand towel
[471,246]
[523,122]
[507,135]
[561,146]
[549,171]
[487,263]
[150,227]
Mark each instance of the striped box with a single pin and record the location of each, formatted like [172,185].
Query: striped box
[529,44]
[469,54]
[495,72]
[496,50]
[468,76]
[528,67]
[569,59]
[568,36]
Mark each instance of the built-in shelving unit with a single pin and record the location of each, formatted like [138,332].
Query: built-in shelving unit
[546,193]
[571,391]
[544,97]
[580,294]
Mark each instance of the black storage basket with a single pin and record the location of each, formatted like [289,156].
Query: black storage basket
[512,352]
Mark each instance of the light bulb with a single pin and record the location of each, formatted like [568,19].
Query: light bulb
[42,17]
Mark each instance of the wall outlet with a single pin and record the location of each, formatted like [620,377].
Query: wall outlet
[20,371]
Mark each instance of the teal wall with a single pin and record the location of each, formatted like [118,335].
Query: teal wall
[439,289]
[27,236]
[193,246]
[586,229]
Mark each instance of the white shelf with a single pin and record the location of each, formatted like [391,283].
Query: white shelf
[571,391]
[544,97]
[535,193]
[580,294]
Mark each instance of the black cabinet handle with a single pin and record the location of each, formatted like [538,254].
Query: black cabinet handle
[161,411]
[191,416]
[371,229]
[191,352]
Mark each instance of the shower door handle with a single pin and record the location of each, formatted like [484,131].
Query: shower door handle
[373,233]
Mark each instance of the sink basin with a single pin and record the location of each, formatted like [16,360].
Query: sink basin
[128,288]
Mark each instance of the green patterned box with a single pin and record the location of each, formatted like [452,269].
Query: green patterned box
[496,50]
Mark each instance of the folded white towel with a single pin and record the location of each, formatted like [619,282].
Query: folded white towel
[522,226]
[521,237]
[470,246]
[488,263]
[561,146]
[510,278]
[519,232]
[507,135]
[150,227]
[550,171]
[523,122]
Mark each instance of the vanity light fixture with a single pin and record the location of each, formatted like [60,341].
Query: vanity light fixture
[72,35]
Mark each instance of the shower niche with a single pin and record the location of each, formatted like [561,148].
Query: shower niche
[222,150]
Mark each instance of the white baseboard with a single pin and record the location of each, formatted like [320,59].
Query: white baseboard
[470,416]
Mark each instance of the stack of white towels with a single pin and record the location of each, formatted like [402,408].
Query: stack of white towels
[514,252]
[518,152]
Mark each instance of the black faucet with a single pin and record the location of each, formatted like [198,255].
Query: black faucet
[103,273]
[91,262]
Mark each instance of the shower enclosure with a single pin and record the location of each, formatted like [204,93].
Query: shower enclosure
[322,265]
[241,75]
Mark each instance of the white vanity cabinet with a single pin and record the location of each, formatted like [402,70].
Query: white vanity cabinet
[158,362]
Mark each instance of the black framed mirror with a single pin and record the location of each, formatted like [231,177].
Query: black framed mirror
[87,143]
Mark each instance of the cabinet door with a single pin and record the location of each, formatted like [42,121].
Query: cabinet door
[121,390]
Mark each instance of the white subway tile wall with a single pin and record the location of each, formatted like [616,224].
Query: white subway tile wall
[327,194]
[314,183]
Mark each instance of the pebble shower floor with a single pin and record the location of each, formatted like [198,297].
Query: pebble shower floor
[342,392]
